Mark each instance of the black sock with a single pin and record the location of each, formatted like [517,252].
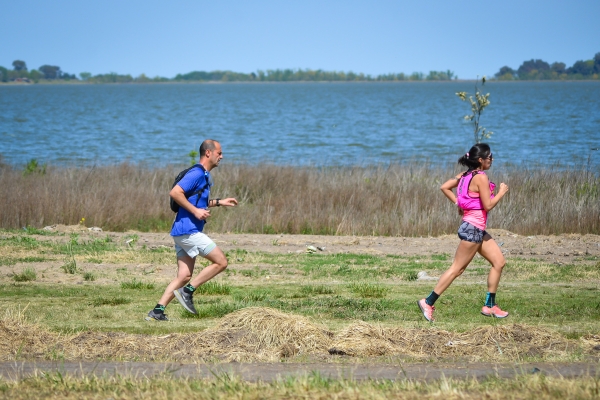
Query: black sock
[159,309]
[189,288]
[431,299]
[490,299]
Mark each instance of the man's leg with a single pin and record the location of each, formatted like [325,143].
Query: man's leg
[185,268]
[218,265]
[185,295]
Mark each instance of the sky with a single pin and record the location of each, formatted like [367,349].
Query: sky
[164,38]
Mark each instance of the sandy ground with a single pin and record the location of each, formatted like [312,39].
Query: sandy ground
[559,248]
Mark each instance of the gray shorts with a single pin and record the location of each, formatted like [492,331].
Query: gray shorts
[194,244]
[471,233]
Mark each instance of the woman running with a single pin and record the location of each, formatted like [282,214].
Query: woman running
[475,198]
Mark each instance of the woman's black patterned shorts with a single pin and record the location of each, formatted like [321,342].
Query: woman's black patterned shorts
[471,233]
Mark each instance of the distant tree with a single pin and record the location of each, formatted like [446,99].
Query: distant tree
[14,75]
[50,71]
[538,65]
[35,75]
[19,65]
[112,77]
[597,63]
[440,75]
[85,76]
[558,67]
[142,79]
[67,77]
[3,74]
[505,73]
[583,68]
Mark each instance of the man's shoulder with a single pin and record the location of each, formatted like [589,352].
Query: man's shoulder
[195,176]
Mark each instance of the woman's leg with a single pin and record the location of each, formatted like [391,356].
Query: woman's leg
[491,252]
[464,254]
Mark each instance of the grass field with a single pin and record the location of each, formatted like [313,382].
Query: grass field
[59,308]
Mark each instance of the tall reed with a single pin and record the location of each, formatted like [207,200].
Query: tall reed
[396,200]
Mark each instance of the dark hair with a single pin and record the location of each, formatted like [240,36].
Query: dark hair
[208,144]
[471,158]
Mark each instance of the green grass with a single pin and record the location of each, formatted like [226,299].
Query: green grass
[70,266]
[332,288]
[369,290]
[89,276]
[575,309]
[311,385]
[310,290]
[110,301]
[27,275]
[213,288]
[137,285]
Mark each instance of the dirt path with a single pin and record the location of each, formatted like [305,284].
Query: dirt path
[267,372]
[559,248]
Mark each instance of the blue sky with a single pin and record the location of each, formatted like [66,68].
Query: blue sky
[471,38]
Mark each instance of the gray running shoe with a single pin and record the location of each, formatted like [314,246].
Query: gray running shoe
[186,300]
[154,316]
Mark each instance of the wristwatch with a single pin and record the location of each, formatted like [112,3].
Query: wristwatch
[218,205]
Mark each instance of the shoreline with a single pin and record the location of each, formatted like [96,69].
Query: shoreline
[46,82]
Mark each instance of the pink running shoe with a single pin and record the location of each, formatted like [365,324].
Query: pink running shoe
[426,309]
[495,312]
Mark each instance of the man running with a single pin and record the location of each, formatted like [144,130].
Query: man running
[192,193]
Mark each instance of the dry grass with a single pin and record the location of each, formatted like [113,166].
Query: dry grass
[398,200]
[263,334]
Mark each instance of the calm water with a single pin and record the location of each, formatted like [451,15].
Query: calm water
[298,124]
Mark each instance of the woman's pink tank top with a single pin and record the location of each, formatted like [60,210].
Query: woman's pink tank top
[470,202]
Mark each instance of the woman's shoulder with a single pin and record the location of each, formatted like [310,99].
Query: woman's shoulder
[481,176]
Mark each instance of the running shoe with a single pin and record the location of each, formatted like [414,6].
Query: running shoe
[186,300]
[426,309]
[154,316]
[495,312]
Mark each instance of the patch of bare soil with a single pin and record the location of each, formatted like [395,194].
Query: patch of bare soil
[559,248]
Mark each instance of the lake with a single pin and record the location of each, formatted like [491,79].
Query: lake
[539,123]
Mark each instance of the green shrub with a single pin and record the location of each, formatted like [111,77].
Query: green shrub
[89,276]
[27,275]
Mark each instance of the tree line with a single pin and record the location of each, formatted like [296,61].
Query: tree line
[529,70]
[541,70]
[20,72]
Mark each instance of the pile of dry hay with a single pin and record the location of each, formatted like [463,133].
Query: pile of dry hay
[264,334]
